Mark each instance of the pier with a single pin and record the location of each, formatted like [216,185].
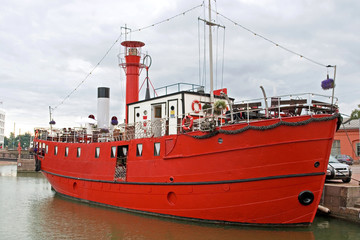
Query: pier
[25,161]
[8,155]
[343,199]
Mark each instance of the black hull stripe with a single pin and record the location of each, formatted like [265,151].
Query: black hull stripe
[195,183]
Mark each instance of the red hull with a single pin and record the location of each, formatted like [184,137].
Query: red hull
[252,177]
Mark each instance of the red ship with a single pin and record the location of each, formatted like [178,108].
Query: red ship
[196,156]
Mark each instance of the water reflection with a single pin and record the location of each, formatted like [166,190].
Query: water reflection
[69,219]
[8,170]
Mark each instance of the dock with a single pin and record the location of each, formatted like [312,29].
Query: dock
[343,199]
[25,161]
[26,165]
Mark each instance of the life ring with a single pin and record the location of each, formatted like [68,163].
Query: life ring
[36,134]
[187,128]
[193,106]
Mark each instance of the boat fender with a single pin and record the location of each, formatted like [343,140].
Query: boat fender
[187,128]
[193,106]
[37,164]
[339,122]
[306,197]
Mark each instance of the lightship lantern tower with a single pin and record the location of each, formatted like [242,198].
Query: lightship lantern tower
[132,67]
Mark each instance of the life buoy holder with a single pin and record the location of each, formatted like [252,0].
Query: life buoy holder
[187,128]
[193,106]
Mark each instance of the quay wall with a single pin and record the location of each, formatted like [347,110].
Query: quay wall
[26,165]
[343,199]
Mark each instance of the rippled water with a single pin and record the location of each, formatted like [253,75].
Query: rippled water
[30,210]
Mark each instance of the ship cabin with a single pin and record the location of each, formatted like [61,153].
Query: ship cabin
[175,112]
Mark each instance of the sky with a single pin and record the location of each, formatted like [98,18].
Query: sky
[48,48]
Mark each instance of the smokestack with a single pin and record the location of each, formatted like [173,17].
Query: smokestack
[103,106]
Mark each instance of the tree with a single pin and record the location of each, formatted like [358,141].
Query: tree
[355,114]
[12,141]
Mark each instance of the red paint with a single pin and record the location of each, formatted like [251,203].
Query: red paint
[241,164]
[218,92]
[132,58]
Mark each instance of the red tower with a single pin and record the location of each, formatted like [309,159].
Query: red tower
[132,67]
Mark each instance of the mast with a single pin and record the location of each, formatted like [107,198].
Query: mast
[211,62]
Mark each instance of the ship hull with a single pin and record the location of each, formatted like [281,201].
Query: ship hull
[249,177]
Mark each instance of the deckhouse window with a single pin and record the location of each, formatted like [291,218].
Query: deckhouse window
[66,151]
[97,152]
[55,150]
[157,110]
[157,149]
[139,149]
[47,149]
[113,151]
[78,152]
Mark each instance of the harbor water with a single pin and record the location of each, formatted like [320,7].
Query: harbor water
[29,209]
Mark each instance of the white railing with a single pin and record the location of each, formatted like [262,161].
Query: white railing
[242,111]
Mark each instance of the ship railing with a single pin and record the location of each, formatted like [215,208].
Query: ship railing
[242,111]
[265,108]
[286,105]
[178,87]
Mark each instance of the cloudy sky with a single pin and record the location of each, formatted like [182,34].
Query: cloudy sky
[49,47]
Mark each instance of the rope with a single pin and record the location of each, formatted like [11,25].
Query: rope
[270,41]
[263,128]
[107,52]
[87,76]
[168,19]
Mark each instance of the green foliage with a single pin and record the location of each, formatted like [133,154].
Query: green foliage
[355,114]
[12,141]
[207,108]
[219,106]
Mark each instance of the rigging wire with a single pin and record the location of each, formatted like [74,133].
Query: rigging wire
[88,75]
[199,46]
[168,19]
[271,41]
[223,60]
[111,47]
[204,75]
[216,57]
[217,48]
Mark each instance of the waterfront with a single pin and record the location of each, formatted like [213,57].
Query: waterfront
[30,210]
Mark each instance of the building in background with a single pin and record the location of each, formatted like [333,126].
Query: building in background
[346,140]
[2,127]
